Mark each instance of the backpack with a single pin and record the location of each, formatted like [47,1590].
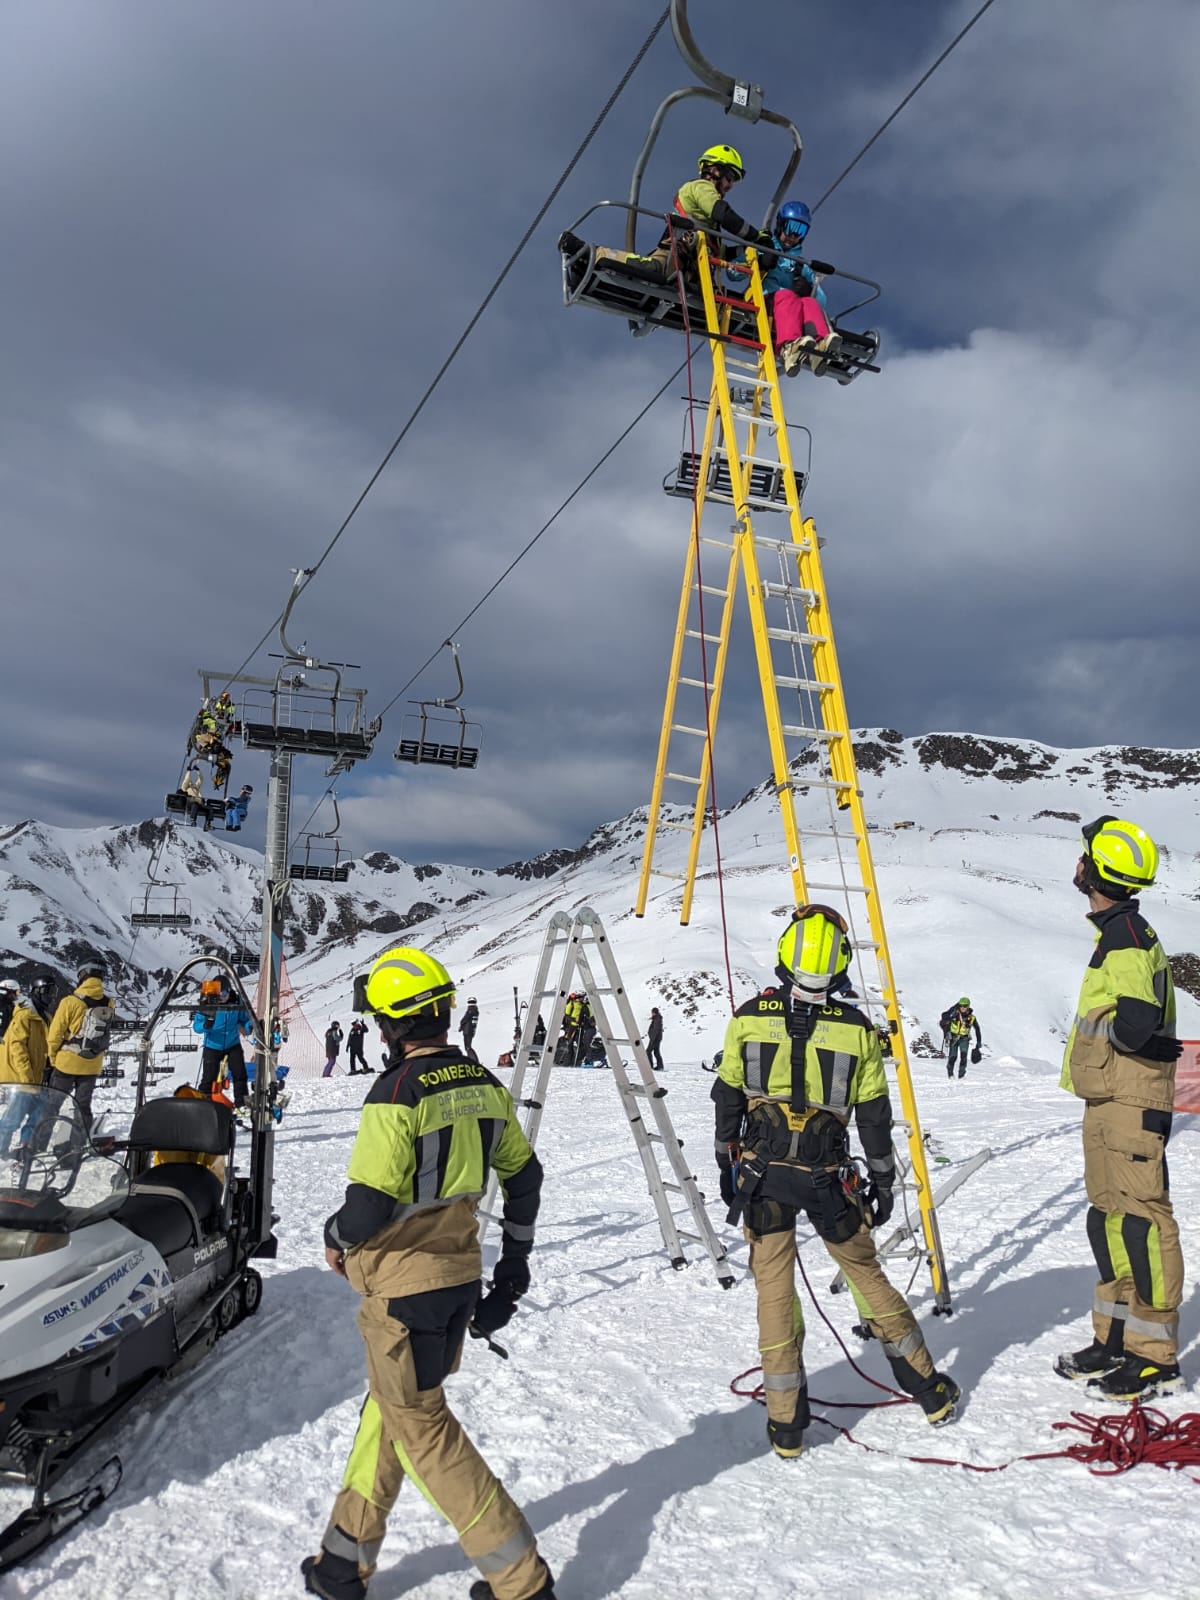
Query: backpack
[92,1035]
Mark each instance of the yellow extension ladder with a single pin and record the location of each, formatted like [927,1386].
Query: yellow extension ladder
[745,462]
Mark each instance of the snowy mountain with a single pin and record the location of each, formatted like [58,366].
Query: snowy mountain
[613,1423]
[976,893]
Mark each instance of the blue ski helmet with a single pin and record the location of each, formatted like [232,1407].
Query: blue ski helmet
[794,217]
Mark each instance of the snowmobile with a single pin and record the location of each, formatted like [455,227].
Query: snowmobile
[121,1264]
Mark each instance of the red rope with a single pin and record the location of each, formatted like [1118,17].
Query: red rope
[697,512]
[1111,1444]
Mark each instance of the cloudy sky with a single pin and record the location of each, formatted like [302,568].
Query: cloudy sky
[239,241]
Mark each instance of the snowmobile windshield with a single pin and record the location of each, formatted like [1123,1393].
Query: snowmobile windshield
[52,1178]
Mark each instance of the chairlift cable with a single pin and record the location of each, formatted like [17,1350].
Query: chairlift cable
[476,316]
[912,93]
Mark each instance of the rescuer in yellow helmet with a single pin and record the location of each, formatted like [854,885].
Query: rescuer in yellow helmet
[702,200]
[1120,1060]
[795,1063]
[434,1124]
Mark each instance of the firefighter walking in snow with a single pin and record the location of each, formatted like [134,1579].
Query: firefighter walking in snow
[794,1065]
[957,1022]
[406,1238]
[1120,1060]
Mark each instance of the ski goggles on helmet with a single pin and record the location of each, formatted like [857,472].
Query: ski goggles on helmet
[788,227]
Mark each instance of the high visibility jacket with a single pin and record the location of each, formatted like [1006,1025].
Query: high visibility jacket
[433,1126]
[68,1020]
[24,1053]
[572,1012]
[959,1023]
[1127,998]
[843,1070]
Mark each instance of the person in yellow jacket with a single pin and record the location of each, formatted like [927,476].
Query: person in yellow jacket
[702,200]
[23,1059]
[79,1037]
[434,1126]
[1120,1060]
[795,1064]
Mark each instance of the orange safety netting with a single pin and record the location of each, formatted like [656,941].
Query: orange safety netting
[300,1050]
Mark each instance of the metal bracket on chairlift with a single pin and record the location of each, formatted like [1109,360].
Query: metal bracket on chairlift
[420,741]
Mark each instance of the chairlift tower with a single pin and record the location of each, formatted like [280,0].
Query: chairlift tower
[305,710]
[744,466]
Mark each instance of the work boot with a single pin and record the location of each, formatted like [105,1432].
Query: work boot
[938,1399]
[333,1577]
[1138,1378]
[787,1438]
[962,1072]
[484,1591]
[1100,1356]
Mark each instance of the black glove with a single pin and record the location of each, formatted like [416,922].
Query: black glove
[510,1281]
[726,1172]
[976,1055]
[1159,1048]
[882,1202]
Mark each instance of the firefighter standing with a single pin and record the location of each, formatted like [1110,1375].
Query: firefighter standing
[1120,1060]
[794,1064]
[407,1239]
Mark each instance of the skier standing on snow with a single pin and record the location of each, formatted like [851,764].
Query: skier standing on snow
[333,1048]
[468,1026]
[1120,1060]
[407,1239]
[956,1023]
[793,1066]
[221,1033]
[24,1055]
[78,1037]
[356,1039]
[654,1035]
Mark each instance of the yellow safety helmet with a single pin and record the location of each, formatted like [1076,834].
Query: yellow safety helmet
[404,981]
[723,155]
[814,949]
[1122,856]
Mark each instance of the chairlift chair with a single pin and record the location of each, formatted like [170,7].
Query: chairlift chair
[319,871]
[160,906]
[635,291]
[440,741]
[766,490]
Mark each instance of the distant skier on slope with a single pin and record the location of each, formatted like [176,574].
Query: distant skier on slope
[407,1239]
[956,1023]
[1120,1060]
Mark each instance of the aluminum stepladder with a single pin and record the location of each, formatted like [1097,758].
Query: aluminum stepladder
[579,948]
[746,463]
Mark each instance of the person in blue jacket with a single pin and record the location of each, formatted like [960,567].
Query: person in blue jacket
[223,1031]
[236,808]
[795,299]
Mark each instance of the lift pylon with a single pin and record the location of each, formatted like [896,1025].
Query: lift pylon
[746,450]
[580,949]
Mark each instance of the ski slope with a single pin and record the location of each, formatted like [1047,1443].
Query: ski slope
[613,1423]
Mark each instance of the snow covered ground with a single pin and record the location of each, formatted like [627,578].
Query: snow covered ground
[613,1424]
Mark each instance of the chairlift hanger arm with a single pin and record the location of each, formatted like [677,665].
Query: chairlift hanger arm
[735,96]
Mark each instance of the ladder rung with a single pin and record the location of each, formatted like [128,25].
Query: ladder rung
[674,1188]
[786,636]
[682,727]
[709,638]
[841,888]
[744,366]
[643,1093]
[684,777]
[711,588]
[763,419]
[830,833]
[784,547]
[805,683]
[790,591]
[692,1238]
[697,683]
[835,785]
[680,827]
[796,730]
[661,872]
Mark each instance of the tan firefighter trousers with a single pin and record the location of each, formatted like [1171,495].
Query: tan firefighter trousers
[781,1321]
[1132,1228]
[406,1431]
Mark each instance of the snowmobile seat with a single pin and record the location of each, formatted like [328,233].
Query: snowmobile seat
[173,1206]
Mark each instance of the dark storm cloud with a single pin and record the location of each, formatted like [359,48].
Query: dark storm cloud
[241,239]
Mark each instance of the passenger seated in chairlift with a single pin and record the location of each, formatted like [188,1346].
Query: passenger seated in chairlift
[191,785]
[236,808]
[224,712]
[795,299]
[702,200]
[205,736]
